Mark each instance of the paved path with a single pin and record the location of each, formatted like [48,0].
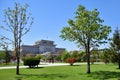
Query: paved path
[41,65]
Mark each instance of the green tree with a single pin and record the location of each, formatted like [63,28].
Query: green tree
[2,55]
[17,20]
[38,56]
[82,55]
[86,30]
[115,47]
[76,55]
[106,55]
[4,45]
[94,55]
[116,40]
[65,55]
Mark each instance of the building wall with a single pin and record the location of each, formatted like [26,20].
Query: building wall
[41,46]
[47,48]
[60,50]
[29,49]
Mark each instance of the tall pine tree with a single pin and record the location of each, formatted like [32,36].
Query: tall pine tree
[115,47]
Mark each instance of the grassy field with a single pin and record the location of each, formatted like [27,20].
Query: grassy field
[98,72]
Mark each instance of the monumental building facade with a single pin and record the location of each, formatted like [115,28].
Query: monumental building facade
[41,47]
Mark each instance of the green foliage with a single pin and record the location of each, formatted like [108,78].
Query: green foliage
[38,56]
[2,55]
[82,56]
[64,56]
[31,62]
[116,58]
[106,55]
[86,30]
[115,47]
[57,58]
[78,55]
[95,55]
[7,57]
[116,40]
[86,26]
[4,43]
[74,54]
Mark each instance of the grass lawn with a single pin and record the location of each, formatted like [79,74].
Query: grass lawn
[98,72]
[9,64]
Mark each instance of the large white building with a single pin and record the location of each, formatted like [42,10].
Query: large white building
[41,47]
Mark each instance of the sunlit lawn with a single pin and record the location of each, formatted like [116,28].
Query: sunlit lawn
[99,72]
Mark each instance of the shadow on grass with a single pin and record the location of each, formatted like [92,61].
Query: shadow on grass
[35,68]
[103,75]
[19,78]
[49,76]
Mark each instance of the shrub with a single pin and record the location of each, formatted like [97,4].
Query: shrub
[31,62]
[71,60]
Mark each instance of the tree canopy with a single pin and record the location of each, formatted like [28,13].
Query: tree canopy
[86,29]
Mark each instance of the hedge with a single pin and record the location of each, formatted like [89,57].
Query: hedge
[31,62]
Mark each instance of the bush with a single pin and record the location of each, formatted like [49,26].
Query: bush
[71,60]
[31,62]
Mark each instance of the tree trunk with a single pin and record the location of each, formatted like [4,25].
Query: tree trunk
[88,57]
[71,64]
[17,67]
[6,57]
[88,63]
[119,66]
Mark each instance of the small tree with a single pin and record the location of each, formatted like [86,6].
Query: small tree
[17,23]
[86,30]
[65,55]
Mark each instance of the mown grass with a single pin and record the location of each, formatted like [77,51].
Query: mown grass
[9,64]
[98,72]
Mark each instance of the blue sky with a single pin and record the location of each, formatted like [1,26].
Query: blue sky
[52,15]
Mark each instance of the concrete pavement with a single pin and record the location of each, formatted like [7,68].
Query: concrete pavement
[42,65]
